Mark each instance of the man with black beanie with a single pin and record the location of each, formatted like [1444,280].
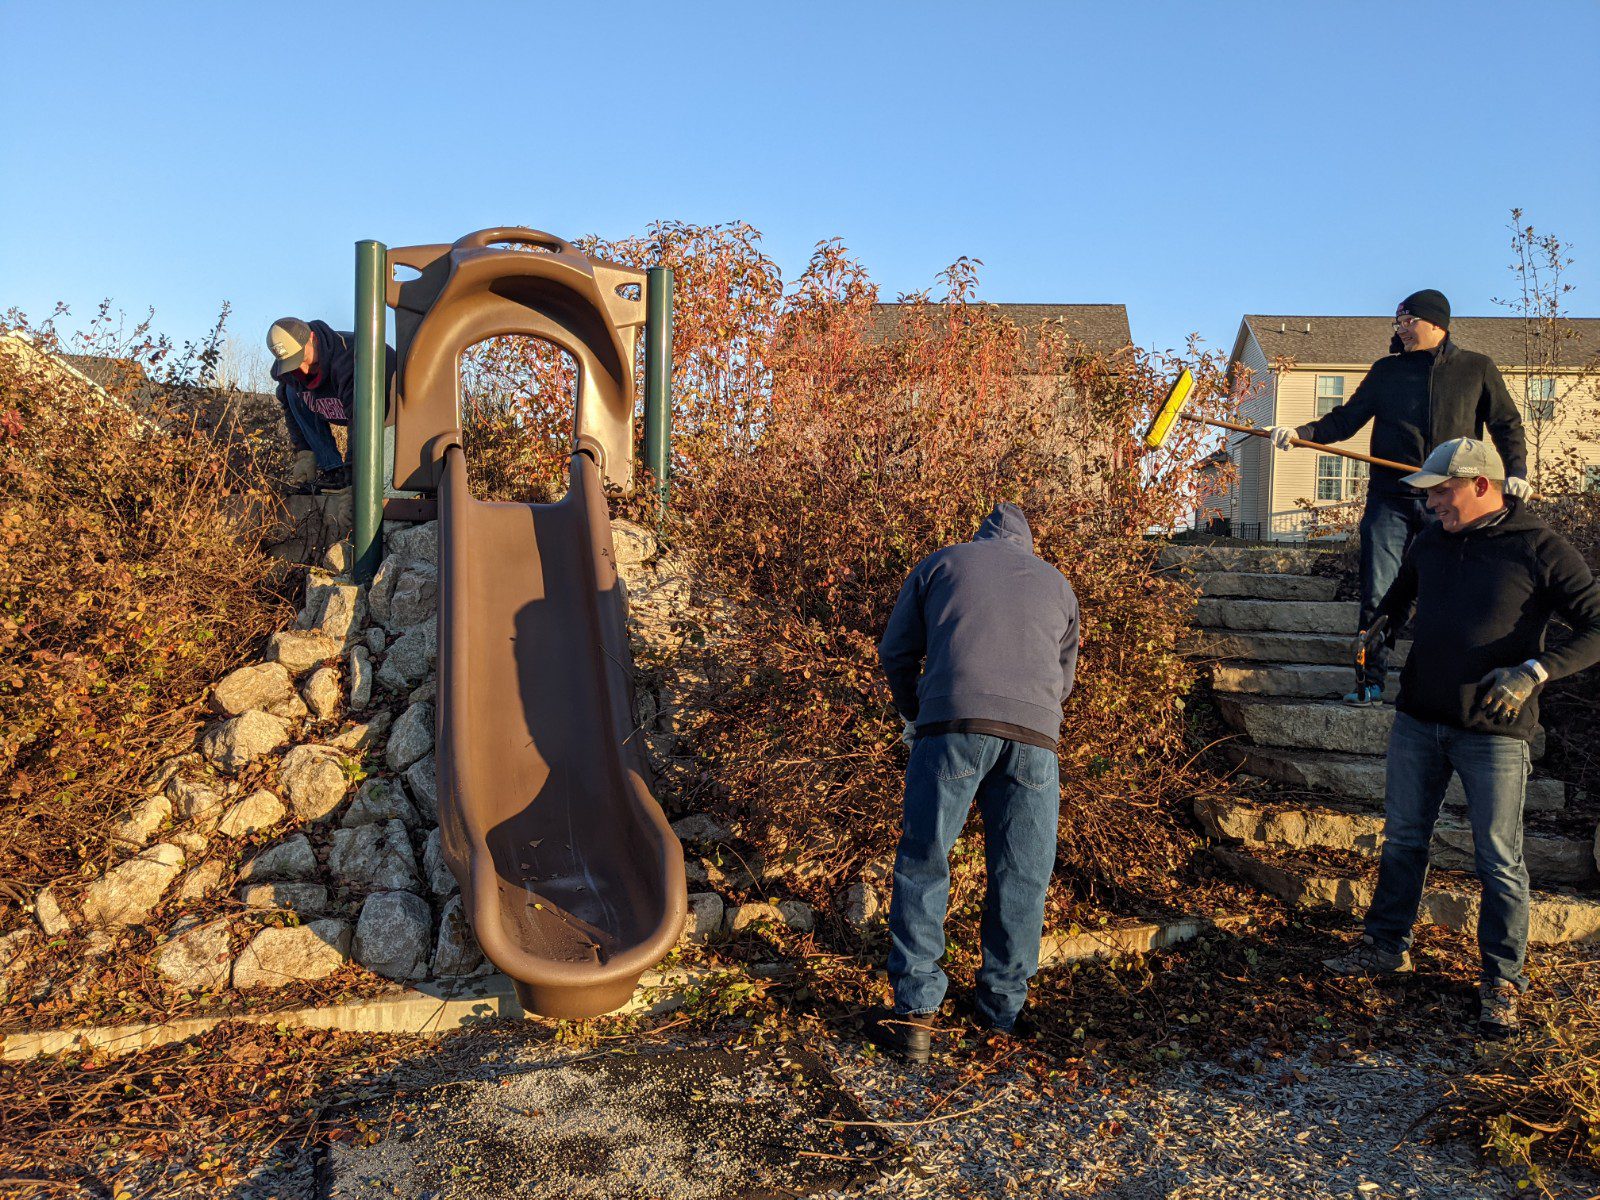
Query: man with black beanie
[1426,392]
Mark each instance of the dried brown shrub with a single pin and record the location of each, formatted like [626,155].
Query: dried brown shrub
[130,579]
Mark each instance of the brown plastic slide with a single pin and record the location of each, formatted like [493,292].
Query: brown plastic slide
[570,875]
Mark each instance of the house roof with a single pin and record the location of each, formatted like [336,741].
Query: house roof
[1102,327]
[1313,340]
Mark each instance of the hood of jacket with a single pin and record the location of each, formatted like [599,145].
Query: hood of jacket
[1517,519]
[1006,523]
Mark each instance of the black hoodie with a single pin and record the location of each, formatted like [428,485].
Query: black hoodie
[332,396]
[1484,598]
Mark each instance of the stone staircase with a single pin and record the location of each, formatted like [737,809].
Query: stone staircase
[1275,643]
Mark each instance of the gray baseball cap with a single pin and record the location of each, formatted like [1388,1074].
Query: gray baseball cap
[1459,458]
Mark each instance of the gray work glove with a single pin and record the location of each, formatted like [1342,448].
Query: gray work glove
[1509,689]
[1520,488]
[1281,435]
[908,734]
[303,469]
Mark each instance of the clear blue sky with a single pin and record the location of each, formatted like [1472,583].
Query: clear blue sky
[1194,161]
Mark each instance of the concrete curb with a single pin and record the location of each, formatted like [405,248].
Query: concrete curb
[439,1007]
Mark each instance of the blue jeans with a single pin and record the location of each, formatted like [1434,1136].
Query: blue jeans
[1018,790]
[1388,523]
[1494,774]
[316,431]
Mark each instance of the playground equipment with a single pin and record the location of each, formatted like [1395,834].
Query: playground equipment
[569,873]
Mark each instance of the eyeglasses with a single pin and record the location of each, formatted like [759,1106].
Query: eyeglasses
[1405,322]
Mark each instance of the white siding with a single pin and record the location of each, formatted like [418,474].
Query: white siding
[1296,475]
[1252,455]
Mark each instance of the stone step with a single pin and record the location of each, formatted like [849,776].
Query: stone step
[1359,777]
[1451,899]
[1323,648]
[1197,556]
[1308,681]
[1553,858]
[1317,725]
[1249,585]
[1280,616]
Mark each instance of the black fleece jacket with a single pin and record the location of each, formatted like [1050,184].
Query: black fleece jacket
[1484,598]
[1420,398]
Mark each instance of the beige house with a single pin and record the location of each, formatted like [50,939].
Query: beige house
[1301,367]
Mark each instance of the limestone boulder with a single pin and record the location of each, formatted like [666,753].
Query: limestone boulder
[862,905]
[422,779]
[300,650]
[199,882]
[374,857]
[705,916]
[343,612]
[411,738]
[126,893]
[197,957]
[379,801]
[441,880]
[195,801]
[377,640]
[700,829]
[340,559]
[381,590]
[275,957]
[415,597]
[263,687]
[797,915]
[312,779]
[364,735]
[414,544]
[292,858]
[319,584]
[134,832]
[410,658]
[747,915]
[360,678]
[258,811]
[322,692]
[237,742]
[632,544]
[47,910]
[307,899]
[394,935]
[457,952]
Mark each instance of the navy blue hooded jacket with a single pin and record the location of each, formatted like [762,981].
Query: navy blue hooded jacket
[332,397]
[997,626]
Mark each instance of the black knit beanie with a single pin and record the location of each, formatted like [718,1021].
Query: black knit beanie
[1429,305]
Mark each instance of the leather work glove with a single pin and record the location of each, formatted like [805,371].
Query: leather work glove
[1281,435]
[908,734]
[304,468]
[1365,642]
[1509,689]
[1520,488]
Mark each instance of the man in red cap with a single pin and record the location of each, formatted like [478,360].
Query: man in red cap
[1426,392]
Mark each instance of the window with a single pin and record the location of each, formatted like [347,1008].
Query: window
[1541,398]
[1339,478]
[1330,393]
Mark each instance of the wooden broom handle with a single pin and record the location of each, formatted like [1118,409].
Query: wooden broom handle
[1253,431]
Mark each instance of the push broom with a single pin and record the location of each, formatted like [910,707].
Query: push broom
[1171,412]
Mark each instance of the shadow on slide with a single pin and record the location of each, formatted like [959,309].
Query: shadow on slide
[572,879]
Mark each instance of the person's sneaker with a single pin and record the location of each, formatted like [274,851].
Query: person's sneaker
[1497,1010]
[335,479]
[1366,959]
[907,1036]
[1365,695]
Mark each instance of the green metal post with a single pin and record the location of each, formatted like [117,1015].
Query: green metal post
[658,377]
[366,430]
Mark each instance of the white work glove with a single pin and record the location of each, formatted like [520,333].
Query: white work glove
[1281,435]
[1520,488]
[908,734]
[304,468]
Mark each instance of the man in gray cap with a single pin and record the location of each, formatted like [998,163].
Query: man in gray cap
[1427,391]
[1485,579]
[315,369]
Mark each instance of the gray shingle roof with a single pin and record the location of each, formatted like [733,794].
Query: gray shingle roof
[1102,327]
[1366,339]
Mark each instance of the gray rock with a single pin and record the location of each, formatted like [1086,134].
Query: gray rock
[322,692]
[312,779]
[1248,585]
[199,958]
[378,801]
[307,899]
[125,894]
[239,741]
[632,544]
[192,842]
[198,883]
[195,802]
[291,858]
[747,915]
[411,737]
[797,915]
[417,544]
[340,559]
[300,650]
[441,880]
[1278,616]
[425,694]
[411,658]
[257,811]
[694,872]
[355,739]
[394,935]
[862,905]
[134,832]
[319,585]
[343,612]
[699,828]
[377,639]
[48,912]
[422,779]
[415,597]
[276,957]
[458,952]
[372,857]
[705,916]
[264,687]
[381,589]
[169,767]
[360,678]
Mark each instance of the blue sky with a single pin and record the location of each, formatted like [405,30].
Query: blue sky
[1194,161]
